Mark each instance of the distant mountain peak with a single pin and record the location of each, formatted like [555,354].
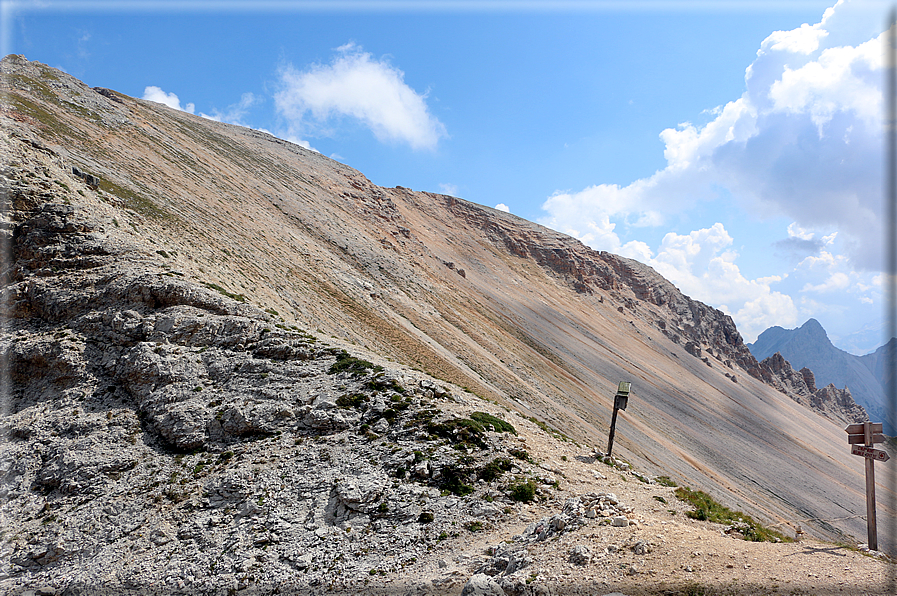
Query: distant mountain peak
[810,347]
[814,327]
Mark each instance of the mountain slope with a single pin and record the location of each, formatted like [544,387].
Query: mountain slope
[809,346]
[510,310]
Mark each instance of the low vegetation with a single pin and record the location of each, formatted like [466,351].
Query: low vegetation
[354,366]
[223,292]
[497,423]
[522,490]
[466,433]
[707,509]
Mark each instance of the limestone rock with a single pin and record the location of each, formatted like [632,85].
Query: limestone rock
[482,585]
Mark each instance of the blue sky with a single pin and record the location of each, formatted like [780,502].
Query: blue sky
[734,146]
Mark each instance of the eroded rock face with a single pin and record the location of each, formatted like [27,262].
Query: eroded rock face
[148,414]
[829,401]
[628,281]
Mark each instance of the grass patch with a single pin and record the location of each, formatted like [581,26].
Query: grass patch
[665,481]
[497,423]
[354,366]
[223,292]
[548,430]
[707,509]
[134,201]
[48,120]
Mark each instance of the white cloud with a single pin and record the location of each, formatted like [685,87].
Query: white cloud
[843,79]
[795,231]
[235,113]
[503,207]
[767,310]
[702,266]
[449,189]
[300,142]
[836,281]
[153,93]
[803,141]
[357,86]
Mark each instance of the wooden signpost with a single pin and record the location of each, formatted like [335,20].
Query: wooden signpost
[862,437]
[620,401]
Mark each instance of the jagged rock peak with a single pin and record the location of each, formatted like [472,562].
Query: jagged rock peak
[829,401]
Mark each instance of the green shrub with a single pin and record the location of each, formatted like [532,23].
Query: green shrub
[354,366]
[453,480]
[461,431]
[356,400]
[497,423]
[474,526]
[522,490]
[384,384]
[494,469]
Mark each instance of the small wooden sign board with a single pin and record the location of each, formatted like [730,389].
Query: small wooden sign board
[870,453]
[862,437]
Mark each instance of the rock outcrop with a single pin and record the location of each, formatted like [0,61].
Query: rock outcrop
[162,437]
[800,386]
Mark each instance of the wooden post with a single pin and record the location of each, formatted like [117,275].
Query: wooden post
[620,401]
[871,528]
[863,436]
[613,424]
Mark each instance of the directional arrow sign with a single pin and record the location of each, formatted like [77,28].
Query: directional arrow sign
[870,453]
[856,429]
[859,439]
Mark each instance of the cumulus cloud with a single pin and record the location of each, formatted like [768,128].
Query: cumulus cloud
[358,86]
[153,93]
[802,243]
[803,141]
[702,264]
[503,207]
[235,113]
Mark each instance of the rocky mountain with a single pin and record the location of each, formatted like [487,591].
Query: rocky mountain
[834,403]
[877,362]
[808,346]
[234,364]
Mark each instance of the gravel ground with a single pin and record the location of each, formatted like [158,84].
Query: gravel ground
[683,556]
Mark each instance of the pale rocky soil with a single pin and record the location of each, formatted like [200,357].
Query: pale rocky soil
[685,554]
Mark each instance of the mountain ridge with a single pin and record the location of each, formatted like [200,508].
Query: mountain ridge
[809,346]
